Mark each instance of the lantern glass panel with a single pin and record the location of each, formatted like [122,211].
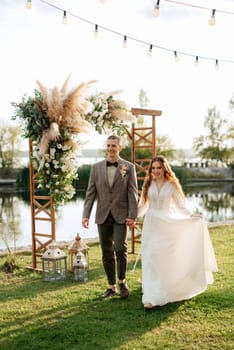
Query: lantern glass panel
[80,267]
[80,274]
[54,269]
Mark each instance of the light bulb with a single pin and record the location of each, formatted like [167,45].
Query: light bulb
[95,33]
[216,64]
[176,57]
[155,11]
[196,62]
[64,19]
[28,4]
[212,18]
[125,44]
[102,1]
[150,51]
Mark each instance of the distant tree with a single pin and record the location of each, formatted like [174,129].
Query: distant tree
[163,147]
[231,102]
[143,98]
[214,145]
[163,143]
[9,229]
[143,102]
[9,147]
[230,132]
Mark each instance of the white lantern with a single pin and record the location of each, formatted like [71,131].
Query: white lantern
[77,245]
[54,263]
[80,267]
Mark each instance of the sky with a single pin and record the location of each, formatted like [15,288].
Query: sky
[35,45]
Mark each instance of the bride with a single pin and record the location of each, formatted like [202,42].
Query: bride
[177,253]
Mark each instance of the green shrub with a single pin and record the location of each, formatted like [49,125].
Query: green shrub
[22,177]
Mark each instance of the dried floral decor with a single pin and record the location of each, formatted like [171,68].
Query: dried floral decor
[54,118]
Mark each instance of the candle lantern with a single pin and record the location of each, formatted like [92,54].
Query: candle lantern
[78,245]
[80,267]
[54,263]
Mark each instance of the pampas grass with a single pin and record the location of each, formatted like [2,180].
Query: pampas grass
[66,110]
[52,134]
[119,111]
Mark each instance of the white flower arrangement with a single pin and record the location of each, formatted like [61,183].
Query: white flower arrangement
[53,120]
[108,114]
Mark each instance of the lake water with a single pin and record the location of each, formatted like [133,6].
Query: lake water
[214,200]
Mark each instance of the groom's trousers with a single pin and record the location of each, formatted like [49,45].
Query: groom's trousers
[113,241]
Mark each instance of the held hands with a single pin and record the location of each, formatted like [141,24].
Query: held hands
[130,222]
[197,215]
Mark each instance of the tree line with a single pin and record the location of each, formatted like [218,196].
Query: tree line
[216,144]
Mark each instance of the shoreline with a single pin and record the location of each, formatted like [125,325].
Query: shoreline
[66,244]
[61,245]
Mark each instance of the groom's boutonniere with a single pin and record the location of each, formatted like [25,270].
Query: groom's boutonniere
[123,170]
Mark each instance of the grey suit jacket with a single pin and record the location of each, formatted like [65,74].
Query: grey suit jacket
[121,198]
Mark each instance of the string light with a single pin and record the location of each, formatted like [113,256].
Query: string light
[196,62]
[46,2]
[212,18]
[176,57]
[155,11]
[64,19]
[28,4]
[96,33]
[150,51]
[125,43]
[198,6]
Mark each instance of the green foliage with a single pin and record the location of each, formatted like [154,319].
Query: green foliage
[23,178]
[164,148]
[38,315]
[33,116]
[214,145]
[9,148]
[10,264]
[56,165]
[143,98]
[126,153]
[82,181]
[181,173]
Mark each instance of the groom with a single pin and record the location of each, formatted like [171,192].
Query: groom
[113,184]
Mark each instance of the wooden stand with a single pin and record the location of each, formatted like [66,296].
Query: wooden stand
[143,137]
[42,211]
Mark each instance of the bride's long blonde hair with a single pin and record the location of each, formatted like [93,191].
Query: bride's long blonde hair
[168,174]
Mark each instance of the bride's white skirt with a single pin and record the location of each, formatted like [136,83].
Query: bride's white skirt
[177,258]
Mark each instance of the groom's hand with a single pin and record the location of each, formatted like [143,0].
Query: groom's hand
[85,222]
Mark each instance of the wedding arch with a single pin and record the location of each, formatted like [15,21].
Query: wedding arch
[53,120]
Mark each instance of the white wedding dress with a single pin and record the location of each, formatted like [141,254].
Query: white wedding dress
[177,253]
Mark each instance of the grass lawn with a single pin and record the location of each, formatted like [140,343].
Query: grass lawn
[65,315]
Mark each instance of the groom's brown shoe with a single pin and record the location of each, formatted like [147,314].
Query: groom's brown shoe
[108,293]
[123,289]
